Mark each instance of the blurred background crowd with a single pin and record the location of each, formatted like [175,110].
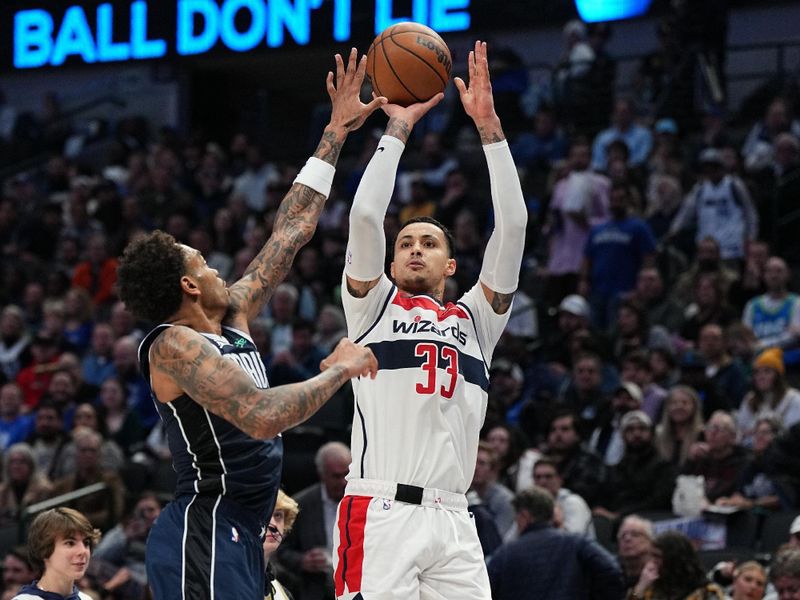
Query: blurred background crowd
[655,337]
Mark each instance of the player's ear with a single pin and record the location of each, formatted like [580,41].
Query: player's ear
[391,270]
[189,286]
[450,269]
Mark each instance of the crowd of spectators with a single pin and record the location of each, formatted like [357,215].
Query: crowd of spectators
[655,333]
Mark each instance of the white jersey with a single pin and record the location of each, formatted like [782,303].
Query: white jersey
[418,421]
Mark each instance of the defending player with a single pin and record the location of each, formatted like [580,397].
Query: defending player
[210,385]
[403,528]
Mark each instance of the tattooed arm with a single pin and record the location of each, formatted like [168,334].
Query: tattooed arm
[503,255]
[299,211]
[183,361]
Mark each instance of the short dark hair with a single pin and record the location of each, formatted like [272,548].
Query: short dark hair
[537,502]
[547,461]
[149,276]
[448,236]
[53,524]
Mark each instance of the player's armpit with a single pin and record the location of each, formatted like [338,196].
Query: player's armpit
[192,364]
[500,303]
[359,289]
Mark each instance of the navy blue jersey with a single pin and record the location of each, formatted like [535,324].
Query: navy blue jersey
[210,455]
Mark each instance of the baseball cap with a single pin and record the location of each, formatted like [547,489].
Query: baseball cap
[710,156]
[506,366]
[633,390]
[795,526]
[666,126]
[575,305]
[635,416]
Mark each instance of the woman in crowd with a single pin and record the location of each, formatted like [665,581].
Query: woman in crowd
[515,463]
[708,306]
[681,424]
[60,542]
[770,395]
[111,456]
[123,425]
[23,483]
[674,572]
[749,582]
[78,324]
[280,524]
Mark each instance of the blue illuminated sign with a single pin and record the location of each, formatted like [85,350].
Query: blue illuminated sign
[120,31]
[593,11]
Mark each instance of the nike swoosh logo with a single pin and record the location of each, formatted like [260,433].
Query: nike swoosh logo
[380,148]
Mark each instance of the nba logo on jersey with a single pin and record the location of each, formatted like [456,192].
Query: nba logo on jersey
[234,535]
[387,504]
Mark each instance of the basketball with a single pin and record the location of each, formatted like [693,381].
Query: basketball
[408,63]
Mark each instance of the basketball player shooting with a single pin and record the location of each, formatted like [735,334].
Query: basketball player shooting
[403,530]
[209,383]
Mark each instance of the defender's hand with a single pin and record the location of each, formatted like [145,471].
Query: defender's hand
[357,360]
[348,111]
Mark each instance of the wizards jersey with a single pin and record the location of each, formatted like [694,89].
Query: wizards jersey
[418,421]
[210,455]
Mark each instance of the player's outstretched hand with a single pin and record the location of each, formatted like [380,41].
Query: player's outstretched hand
[477,95]
[413,112]
[358,360]
[348,111]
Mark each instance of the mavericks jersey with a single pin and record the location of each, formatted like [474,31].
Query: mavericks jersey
[418,421]
[210,455]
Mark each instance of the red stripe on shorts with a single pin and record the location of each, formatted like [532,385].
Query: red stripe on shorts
[352,521]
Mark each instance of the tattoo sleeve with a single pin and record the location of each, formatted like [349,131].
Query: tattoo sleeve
[398,128]
[295,223]
[221,386]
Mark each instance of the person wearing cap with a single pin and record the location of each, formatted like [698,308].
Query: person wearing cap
[548,563]
[775,315]
[719,206]
[794,533]
[573,319]
[771,395]
[642,480]
[606,438]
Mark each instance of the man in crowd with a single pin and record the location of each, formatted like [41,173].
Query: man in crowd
[575,514]
[582,471]
[546,563]
[634,545]
[775,316]
[724,374]
[493,495]
[785,574]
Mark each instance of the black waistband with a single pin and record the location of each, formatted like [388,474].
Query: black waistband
[410,494]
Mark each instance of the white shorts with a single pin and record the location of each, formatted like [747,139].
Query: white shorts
[386,549]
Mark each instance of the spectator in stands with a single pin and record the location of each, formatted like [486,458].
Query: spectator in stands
[69,362]
[280,524]
[778,119]
[664,196]
[632,331]
[547,563]
[709,305]
[751,283]
[707,260]
[14,341]
[606,439]
[749,582]
[306,553]
[301,360]
[719,206]
[60,543]
[719,459]
[771,396]
[579,202]
[78,319]
[642,480]
[674,571]
[35,378]
[118,561]
[794,533]
[493,495]
[726,375]
[98,362]
[14,425]
[635,367]
[538,150]
[17,569]
[48,437]
[111,456]
[583,394]
[23,483]
[576,516]
[98,273]
[516,461]
[634,546]
[582,471]
[506,402]
[137,390]
[102,508]
[784,573]
[623,127]
[774,316]
[681,425]
[573,315]
[760,483]
[613,256]
[283,308]
[122,423]
[664,367]
[331,328]
[651,293]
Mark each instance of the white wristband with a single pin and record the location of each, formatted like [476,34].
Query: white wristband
[318,175]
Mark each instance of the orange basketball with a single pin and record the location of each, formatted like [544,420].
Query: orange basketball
[408,63]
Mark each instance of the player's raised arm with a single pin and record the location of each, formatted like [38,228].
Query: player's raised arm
[503,256]
[366,245]
[183,361]
[299,211]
